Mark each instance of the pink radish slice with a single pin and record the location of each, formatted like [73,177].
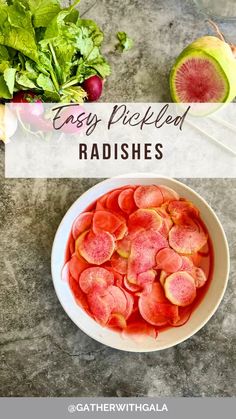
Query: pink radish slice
[130,304]
[101,202]
[187,264]
[187,239]
[82,223]
[77,265]
[96,248]
[123,247]
[146,279]
[199,277]
[126,201]
[78,294]
[131,287]
[72,247]
[168,260]
[120,300]
[147,219]
[101,303]
[178,209]
[140,331]
[148,196]
[119,264]
[155,312]
[180,288]
[65,272]
[121,231]
[95,278]
[143,251]
[184,315]
[168,193]
[105,221]
[112,201]
[117,320]
[163,276]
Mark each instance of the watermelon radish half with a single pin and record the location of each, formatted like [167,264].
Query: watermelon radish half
[204,72]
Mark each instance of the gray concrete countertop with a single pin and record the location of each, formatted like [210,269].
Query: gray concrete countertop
[42,352]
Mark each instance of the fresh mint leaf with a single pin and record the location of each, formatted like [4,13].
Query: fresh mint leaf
[125,43]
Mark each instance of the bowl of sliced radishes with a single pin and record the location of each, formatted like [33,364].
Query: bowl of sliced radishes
[140,263]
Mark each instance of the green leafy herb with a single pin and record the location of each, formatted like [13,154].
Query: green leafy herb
[125,43]
[48,49]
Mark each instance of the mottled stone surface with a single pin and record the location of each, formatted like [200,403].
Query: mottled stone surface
[42,352]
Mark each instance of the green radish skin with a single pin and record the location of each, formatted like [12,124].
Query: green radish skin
[220,55]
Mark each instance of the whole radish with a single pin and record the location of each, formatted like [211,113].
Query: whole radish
[93,87]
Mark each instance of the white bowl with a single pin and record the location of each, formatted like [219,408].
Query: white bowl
[172,336]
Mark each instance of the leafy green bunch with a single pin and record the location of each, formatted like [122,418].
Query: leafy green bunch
[48,49]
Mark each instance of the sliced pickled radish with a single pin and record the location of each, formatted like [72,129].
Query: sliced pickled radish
[146,279]
[82,223]
[168,260]
[95,278]
[96,248]
[179,209]
[184,315]
[163,276]
[77,265]
[143,251]
[180,288]
[126,201]
[168,193]
[123,247]
[119,264]
[112,201]
[120,300]
[117,320]
[105,221]
[187,239]
[157,311]
[148,196]
[147,219]
[101,303]
[199,277]
[130,304]
[187,264]
[131,287]
[138,331]
[121,231]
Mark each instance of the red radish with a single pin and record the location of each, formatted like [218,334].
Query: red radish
[80,297]
[65,272]
[155,308]
[95,278]
[146,219]
[117,320]
[119,264]
[148,196]
[123,247]
[131,287]
[168,193]
[143,251]
[77,265]
[163,276]
[168,260]
[126,201]
[187,239]
[180,209]
[120,300]
[93,87]
[105,221]
[130,303]
[199,276]
[180,288]
[112,201]
[96,248]
[187,264]
[121,231]
[101,303]
[81,223]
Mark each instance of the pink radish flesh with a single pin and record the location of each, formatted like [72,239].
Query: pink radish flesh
[105,221]
[119,264]
[148,196]
[187,239]
[77,265]
[95,278]
[180,288]
[197,80]
[96,248]
[126,201]
[199,277]
[82,223]
[146,219]
[168,260]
